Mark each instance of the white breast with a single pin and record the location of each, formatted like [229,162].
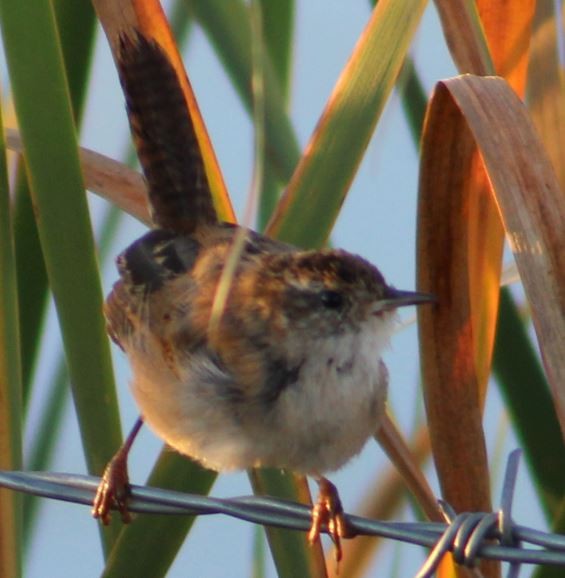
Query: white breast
[327,418]
[316,425]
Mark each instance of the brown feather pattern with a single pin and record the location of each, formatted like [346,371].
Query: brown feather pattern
[164,136]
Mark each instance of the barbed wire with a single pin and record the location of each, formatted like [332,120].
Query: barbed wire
[470,536]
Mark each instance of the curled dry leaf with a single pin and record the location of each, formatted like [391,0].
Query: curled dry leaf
[531,206]
[532,210]
[486,37]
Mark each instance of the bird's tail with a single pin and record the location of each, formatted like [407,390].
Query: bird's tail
[163,132]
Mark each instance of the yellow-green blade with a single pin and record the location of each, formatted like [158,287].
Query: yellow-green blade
[318,187]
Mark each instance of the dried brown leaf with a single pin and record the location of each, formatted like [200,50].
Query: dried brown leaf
[531,205]
[532,209]
[112,180]
[484,37]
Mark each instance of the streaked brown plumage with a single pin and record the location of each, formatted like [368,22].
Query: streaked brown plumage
[164,137]
[288,373]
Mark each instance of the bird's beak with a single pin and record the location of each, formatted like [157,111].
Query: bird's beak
[396,298]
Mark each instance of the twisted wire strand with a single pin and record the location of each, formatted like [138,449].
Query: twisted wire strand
[470,536]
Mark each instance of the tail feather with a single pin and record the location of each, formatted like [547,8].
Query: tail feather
[163,132]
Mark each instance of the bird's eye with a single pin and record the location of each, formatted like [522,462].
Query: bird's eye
[331,299]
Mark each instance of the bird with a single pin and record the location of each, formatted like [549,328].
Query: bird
[245,351]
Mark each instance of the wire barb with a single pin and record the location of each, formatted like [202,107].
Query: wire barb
[470,536]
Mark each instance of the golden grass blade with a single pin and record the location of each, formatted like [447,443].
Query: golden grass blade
[508,32]
[381,503]
[465,38]
[402,457]
[546,86]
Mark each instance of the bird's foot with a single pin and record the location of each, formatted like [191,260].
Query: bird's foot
[113,491]
[328,514]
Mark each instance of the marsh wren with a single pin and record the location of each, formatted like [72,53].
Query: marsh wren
[288,373]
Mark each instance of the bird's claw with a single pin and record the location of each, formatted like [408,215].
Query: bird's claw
[328,513]
[113,491]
